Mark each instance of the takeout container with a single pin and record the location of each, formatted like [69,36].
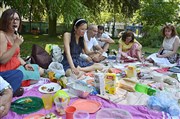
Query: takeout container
[113,113]
[79,89]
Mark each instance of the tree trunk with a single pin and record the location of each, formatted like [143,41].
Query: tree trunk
[52,25]
[30,16]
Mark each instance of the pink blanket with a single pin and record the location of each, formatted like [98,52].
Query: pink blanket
[138,112]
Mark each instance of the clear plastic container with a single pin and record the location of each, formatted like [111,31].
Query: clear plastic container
[118,56]
[113,113]
[81,115]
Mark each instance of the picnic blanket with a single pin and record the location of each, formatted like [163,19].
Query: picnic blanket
[133,102]
[138,111]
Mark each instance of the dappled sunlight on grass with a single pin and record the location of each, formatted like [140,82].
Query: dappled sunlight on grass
[42,40]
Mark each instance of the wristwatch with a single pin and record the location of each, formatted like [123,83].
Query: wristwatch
[7,87]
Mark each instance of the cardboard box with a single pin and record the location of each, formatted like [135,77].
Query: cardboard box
[110,83]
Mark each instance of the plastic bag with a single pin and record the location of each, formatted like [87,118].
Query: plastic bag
[164,101]
[49,47]
[56,68]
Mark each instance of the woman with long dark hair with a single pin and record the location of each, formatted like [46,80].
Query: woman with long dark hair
[73,45]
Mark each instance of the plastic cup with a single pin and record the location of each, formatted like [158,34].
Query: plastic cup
[61,105]
[47,101]
[70,111]
[81,115]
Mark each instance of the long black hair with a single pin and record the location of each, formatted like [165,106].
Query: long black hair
[77,22]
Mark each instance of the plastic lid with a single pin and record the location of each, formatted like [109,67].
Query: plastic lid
[113,113]
[81,115]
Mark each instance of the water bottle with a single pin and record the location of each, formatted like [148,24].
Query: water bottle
[178,61]
[118,56]
[145,89]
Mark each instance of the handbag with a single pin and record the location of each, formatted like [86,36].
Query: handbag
[40,56]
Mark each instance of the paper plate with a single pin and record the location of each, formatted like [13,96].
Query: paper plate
[49,88]
[27,105]
[89,106]
[34,116]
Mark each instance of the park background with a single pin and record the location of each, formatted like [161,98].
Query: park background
[45,21]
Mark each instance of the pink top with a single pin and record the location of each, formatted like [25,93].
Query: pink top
[14,62]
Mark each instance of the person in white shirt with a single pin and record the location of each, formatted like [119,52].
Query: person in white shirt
[5,97]
[103,38]
[97,54]
[10,82]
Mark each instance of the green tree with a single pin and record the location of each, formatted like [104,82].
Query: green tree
[158,12]
[116,8]
[32,9]
[69,10]
[154,14]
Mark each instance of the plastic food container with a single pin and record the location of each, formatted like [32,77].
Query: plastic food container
[113,113]
[79,89]
[81,115]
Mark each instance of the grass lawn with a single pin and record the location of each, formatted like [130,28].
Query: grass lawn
[42,40]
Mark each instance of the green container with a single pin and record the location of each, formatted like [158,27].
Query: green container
[145,89]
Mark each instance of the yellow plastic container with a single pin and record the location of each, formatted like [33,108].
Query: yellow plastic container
[131,72]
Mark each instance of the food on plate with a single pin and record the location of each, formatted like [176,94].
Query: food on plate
[50,89]
[50,116]
[43,88]
[28,100]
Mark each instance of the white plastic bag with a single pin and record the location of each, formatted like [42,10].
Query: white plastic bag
[56,67]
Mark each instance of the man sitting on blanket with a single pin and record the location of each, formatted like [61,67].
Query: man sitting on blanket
[97,53]
[103,38]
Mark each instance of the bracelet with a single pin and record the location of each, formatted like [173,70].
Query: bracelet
[8,87]
[25,65]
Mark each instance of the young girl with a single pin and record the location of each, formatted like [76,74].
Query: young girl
[130,47]
[74,43]
[168,51]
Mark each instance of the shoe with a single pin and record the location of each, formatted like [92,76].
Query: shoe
[19,92]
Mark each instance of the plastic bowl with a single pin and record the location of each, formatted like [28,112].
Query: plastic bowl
[79,89]
[113,113]
[81,115]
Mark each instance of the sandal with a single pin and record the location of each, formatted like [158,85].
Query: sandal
[19,92]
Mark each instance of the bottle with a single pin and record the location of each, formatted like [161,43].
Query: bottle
[118,56]
[178,61]
[145,89]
